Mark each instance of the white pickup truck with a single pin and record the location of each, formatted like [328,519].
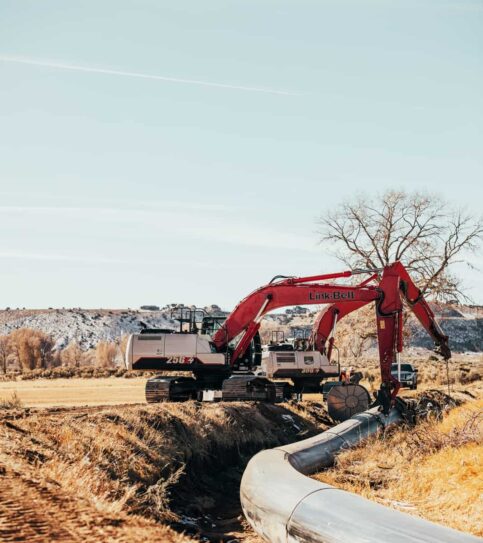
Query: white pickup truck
[408,377]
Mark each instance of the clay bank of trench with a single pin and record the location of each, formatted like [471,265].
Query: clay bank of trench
[131,473]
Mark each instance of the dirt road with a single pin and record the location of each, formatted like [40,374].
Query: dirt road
[36,511]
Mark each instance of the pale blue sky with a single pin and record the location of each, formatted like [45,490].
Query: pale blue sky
[200,183]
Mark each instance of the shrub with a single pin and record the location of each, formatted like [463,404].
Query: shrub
[13,402]
[32,348]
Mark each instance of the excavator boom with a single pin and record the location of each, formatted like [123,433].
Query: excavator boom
[249,312]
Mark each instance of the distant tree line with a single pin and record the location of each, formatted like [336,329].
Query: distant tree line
[25,350]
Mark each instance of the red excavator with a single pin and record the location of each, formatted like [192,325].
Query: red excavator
[224,357]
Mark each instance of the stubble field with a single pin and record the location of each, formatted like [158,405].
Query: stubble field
[75,392]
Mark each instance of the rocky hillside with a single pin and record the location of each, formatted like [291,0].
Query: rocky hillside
[463,324]
[84,326]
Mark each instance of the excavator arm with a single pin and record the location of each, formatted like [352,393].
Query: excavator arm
[394,286]
[246,317]
[323,331]
[420,307]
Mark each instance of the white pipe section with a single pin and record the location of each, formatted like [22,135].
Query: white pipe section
[284,506]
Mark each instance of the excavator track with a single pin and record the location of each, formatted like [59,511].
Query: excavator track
[170,389]
[250,388]
[236,388]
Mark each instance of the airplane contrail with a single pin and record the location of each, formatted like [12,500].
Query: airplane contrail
[106,71]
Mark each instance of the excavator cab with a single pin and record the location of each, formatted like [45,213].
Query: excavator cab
[211,324]
[251,358]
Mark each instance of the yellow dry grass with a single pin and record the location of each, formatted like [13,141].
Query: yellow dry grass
[74,392]
[434,470]
[462,370]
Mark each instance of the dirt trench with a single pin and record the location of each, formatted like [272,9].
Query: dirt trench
[135,473]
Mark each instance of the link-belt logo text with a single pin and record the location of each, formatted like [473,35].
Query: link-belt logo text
[337,295]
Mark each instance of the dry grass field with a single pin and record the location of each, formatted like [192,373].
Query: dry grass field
[80,391]
[75,392]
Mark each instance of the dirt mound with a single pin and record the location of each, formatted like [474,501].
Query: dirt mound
[119,474]
[431,404]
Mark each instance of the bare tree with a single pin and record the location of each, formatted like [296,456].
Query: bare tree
[72,355]
[123,345]
[32,348]
[4,352]
[106,354]
[44,348]
[422,231]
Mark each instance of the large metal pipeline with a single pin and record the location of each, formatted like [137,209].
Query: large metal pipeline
[285,506]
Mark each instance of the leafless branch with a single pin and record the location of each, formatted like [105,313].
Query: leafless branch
[420,230]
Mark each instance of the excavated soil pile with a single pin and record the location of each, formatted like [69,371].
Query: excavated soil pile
[136,473]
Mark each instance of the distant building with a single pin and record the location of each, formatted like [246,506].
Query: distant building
[149,308]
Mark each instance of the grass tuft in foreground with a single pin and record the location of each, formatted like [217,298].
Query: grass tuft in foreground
[14,402]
